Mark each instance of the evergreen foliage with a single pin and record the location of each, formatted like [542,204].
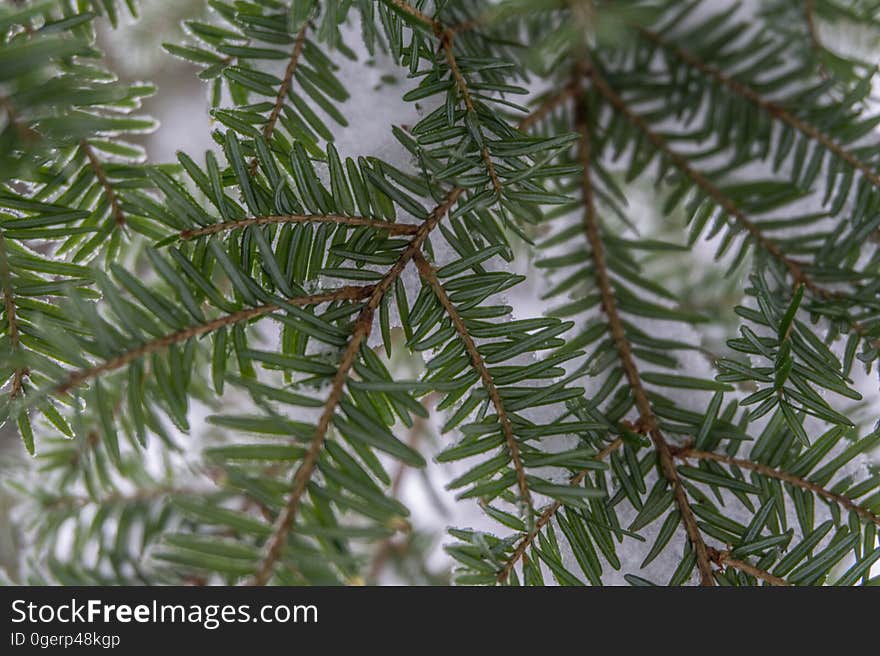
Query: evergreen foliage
[327,306]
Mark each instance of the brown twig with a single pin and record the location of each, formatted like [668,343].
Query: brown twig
[548,514]
[362,327]
[81,376]
[411,11]
[546,108]
[723,559]
[11,318]
[773,109]
[429,274]
[356,221]
[815,41]
[101,174]
[647,418]
[283,90]
[286,82]
[446,42]
[791,479]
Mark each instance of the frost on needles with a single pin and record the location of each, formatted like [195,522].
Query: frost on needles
[620,287]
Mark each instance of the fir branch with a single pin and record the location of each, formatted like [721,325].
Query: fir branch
[706,186]
[412,12]
[340,219]
[11,318]
[283,90]
[723,559]
[446,43]
[446,36]
[101,175]
[775,110]
[286,82]
[362,327]
[284,524]
[791,479]
[815,41]
[77,378]
[549,512]
[429,274]
[647,418]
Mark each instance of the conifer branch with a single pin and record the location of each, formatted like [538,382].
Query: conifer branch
[269,128]
[815,41]
[361,331]
[723,559]
[412,12]
[707,187]
[774,109]
[77,378]
[549,512]
[286,81]
[363,326]
[340,219]
[11,318]
[101,175]
[446,42]
[791,479]
[429,274]
[284,524]
[446,36]
[647,418]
